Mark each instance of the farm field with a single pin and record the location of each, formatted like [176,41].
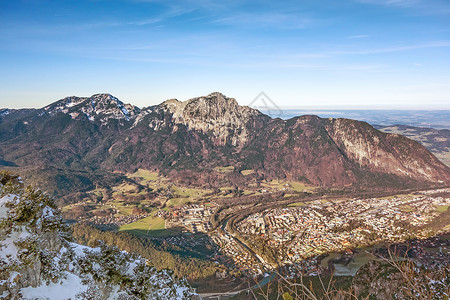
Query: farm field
[151,226]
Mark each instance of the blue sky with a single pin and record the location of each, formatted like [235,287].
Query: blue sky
[325,53]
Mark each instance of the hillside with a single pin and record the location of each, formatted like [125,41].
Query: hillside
[38,259]
[80,143]
[435,140]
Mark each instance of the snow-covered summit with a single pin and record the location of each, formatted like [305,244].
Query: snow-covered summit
[38,259]
[100,107]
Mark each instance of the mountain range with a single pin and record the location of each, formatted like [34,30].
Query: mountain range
[82,142]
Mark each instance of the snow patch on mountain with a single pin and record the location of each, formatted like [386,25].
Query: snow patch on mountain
[142,114]
[101,107]
[4,112]
[69,288]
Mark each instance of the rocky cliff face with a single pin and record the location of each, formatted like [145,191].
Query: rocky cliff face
[39,261]
[216,114]
[385,153]
[76,140]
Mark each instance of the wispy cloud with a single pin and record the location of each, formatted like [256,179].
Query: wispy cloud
[210,5]
[267,19]
[394,49]
[361,36]
[434,7]
[63,27]
[171,13]
[362,67]
[397,3]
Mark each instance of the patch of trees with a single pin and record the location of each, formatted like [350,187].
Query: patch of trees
[84,211]
[103,213]
[160,257]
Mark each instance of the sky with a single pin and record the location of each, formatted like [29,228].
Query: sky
[303,53]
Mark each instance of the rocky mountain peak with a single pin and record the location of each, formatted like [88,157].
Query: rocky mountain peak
[100,107]
[215,113]
[213,106]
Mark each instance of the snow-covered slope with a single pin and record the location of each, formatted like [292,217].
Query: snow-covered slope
[38,259]
[102,107]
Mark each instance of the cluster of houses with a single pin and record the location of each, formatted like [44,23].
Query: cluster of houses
[115,220]
[237,255]
[439,256]
[301,234]
[320,227]
[194,218]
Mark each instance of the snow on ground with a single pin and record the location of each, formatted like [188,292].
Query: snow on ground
[8,251]
[79,249]
[70,284]
[72,102]
[68,289]
[47,212]
[8,248]
[181,291]
[132,266]
[3,208]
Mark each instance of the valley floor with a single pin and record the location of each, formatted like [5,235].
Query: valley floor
[251,232]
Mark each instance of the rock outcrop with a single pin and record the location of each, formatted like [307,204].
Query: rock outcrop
[217,114]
